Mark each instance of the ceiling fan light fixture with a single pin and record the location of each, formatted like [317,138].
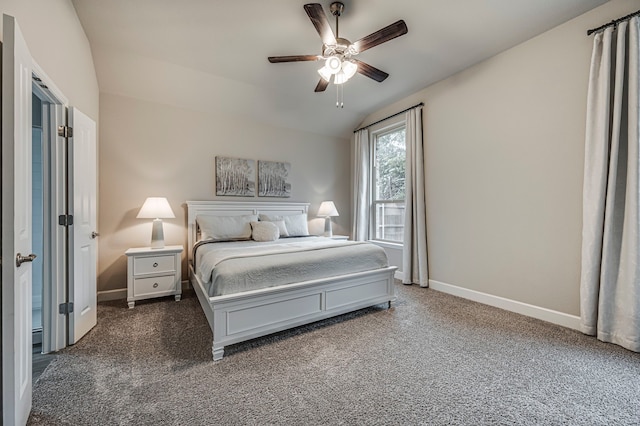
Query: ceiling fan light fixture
[325,73]
[349,68]
[340,78]
[333,64]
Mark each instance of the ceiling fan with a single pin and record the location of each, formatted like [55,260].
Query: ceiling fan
[338,53]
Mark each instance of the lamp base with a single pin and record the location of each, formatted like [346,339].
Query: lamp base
[328,232]
[157,234]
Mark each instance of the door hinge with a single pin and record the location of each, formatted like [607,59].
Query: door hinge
[65,131]
[65,308]
[65,220]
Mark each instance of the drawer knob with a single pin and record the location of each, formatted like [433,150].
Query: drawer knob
[155,264]
[155,285]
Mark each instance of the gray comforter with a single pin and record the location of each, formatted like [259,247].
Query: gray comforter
[233,267]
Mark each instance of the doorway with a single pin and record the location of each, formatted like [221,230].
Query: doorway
[40,216]
[37,235]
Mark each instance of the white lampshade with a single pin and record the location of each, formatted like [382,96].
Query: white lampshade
[333,64]
[340,78]
[349,68]
[156,208]
[325,73]
[327,208]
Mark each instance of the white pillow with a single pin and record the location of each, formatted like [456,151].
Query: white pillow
[264,231]
[281,227]
[224,228]
[296,224]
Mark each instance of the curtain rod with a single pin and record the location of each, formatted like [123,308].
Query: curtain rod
[386,118]
[614,22]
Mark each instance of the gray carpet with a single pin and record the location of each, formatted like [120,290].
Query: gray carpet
[433,359]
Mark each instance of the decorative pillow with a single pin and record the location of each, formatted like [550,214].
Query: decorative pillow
[296,224]
[224,228]
[281,227]
[264,231]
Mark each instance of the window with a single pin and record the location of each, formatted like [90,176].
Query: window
[388,174]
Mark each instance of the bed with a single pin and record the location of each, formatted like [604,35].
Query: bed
[235,317]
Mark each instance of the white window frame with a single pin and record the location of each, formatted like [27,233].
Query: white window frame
[374,135]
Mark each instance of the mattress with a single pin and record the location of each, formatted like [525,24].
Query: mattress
[233,267]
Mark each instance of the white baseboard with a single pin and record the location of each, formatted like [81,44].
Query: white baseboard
[105,296]
[121,293]
[544,314]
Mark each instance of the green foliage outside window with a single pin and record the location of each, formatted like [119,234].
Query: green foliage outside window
[390,165]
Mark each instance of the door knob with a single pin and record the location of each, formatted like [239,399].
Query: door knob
[94,234]
[20,259]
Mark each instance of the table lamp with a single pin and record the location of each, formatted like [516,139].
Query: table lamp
[327,210]
[156,208]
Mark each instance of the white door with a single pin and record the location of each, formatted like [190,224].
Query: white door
[16,225]
[82,205]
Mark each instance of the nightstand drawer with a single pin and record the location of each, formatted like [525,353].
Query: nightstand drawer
[147,286]
[153,264]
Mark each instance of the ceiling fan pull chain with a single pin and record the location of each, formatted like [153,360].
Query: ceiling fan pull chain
[339,95]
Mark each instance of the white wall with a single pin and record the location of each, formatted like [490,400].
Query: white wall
[504,142]
[153,149]
[59,45]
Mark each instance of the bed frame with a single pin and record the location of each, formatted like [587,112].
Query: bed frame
[238,317]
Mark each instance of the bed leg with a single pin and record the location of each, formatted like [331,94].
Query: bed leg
[218,353]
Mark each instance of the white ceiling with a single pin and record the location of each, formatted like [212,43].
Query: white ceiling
[212,55]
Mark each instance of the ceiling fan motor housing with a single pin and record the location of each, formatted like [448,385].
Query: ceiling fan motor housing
[343,47]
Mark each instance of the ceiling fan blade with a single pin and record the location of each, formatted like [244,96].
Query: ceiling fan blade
[387,33]
[294,58]
[370,71]
[319,20]
[322,85]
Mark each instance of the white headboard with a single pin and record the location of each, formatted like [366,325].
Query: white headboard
[235,208]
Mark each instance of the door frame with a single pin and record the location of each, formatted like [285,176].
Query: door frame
[54,285]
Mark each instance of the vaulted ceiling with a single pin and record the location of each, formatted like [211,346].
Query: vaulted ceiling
[212,55]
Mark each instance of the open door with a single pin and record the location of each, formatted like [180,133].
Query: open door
[16,225]
[83,249]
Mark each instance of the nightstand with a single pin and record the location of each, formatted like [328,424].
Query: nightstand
[340,237]
[153,273]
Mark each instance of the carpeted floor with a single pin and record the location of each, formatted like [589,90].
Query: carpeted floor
[433,359]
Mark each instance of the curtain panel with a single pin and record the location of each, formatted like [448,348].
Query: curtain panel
[361,201]
[414,250]
[610,272]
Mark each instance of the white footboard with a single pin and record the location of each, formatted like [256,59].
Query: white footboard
[243,316]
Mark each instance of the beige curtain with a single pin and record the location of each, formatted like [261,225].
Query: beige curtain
[361,202]
[610,280]
[414,251]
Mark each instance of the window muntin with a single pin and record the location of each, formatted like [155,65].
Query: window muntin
[388,184]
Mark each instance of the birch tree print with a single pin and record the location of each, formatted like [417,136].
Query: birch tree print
[235,176]
[273,179]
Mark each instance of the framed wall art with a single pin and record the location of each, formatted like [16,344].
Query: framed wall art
[273,179]
[235,176]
